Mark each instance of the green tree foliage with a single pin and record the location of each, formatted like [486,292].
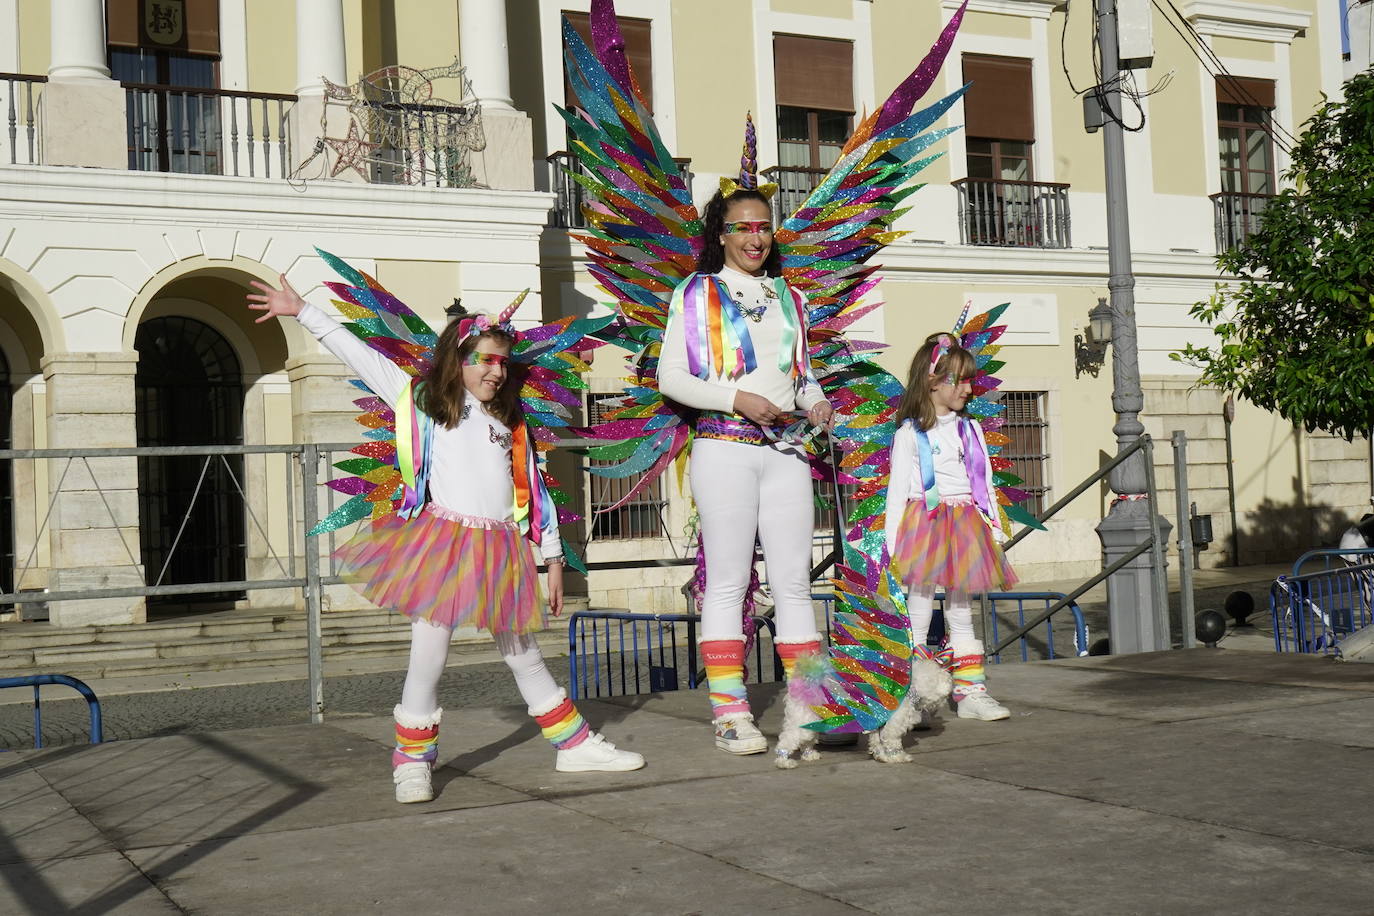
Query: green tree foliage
[1295,334]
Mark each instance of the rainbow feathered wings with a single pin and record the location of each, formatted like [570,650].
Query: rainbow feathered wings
[377,484]
[642,240]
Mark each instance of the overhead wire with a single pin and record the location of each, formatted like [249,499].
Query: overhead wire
[1217,69]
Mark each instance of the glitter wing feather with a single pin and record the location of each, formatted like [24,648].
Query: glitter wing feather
[827,246]
[642,239]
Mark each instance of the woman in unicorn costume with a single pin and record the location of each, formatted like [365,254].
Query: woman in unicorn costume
[735,348]
[458,558]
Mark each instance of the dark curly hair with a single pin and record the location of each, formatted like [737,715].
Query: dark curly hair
[712,257]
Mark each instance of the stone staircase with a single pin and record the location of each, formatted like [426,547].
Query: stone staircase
[206,642]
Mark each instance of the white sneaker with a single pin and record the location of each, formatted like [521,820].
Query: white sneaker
[738,734]
[412,782]
[597,754]
[976,704]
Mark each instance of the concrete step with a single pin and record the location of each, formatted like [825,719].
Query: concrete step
[25,636]
[136,667]
[208,642]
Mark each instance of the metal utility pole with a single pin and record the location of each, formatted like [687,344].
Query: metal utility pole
[1135,621]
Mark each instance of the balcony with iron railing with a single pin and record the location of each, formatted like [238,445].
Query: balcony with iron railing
[1013,214]
[201,131]
[22,92]
[207,131]
[570,195]
[420,144]
[1236,216]
[795,184]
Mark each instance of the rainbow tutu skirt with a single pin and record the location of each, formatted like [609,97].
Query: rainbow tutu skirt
[447,569]
[951,546]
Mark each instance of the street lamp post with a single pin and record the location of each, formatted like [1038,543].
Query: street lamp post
[1135,622]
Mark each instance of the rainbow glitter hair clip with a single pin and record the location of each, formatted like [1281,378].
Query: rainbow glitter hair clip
[480,324]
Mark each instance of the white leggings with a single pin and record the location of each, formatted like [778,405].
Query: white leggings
[920,604]
[742,491]
[429,651]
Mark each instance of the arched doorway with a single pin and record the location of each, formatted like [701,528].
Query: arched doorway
[189,390]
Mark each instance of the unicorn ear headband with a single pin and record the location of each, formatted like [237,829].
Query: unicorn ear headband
[942,345]
[480,324]
[748,167]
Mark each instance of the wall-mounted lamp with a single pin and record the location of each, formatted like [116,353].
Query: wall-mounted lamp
[1089,353]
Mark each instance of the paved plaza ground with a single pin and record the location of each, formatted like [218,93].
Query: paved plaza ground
[1199,781]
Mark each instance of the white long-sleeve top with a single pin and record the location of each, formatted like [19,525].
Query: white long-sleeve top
[676,380]
[904,481]
[470,464]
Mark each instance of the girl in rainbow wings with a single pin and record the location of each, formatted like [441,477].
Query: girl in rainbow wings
[459,498]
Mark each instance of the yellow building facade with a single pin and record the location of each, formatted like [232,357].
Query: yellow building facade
[159,156]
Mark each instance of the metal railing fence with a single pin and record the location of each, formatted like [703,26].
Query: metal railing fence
[1042,647]
[1013,214]
[420,144]
[306,478]
[1236,217]
[795,184]
[36,681]
[570,196]
[1313,610]
[614,653]
[1154,543]
[22,92]
[207,131]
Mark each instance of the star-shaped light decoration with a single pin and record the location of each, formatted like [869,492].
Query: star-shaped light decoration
[352,152]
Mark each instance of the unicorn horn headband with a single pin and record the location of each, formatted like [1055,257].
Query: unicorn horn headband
[748,167]
[480,324]
[946,341]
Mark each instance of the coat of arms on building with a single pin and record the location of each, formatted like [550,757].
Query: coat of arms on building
[164,21]
[399,129]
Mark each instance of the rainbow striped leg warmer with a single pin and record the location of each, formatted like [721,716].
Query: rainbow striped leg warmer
[966,665]
[791,650]
[724,661]
[417,737]
[561,723]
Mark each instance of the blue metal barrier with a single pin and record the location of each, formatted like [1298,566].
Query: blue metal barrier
[38,680]
[616,653]
[997,603]
[1313,611]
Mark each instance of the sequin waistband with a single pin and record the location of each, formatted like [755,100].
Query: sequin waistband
[728,427]
[471,521]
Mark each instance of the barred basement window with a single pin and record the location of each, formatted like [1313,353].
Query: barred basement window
[1028,450]
[642,516]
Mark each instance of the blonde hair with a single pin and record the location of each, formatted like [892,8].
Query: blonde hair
[916,402]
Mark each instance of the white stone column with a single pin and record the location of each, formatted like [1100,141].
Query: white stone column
[319,45]
[78,40]
[82,109]
[485,52]
[320,55]
[9,36]
[507,163]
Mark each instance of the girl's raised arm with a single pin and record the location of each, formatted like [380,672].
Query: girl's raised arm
[384,377]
